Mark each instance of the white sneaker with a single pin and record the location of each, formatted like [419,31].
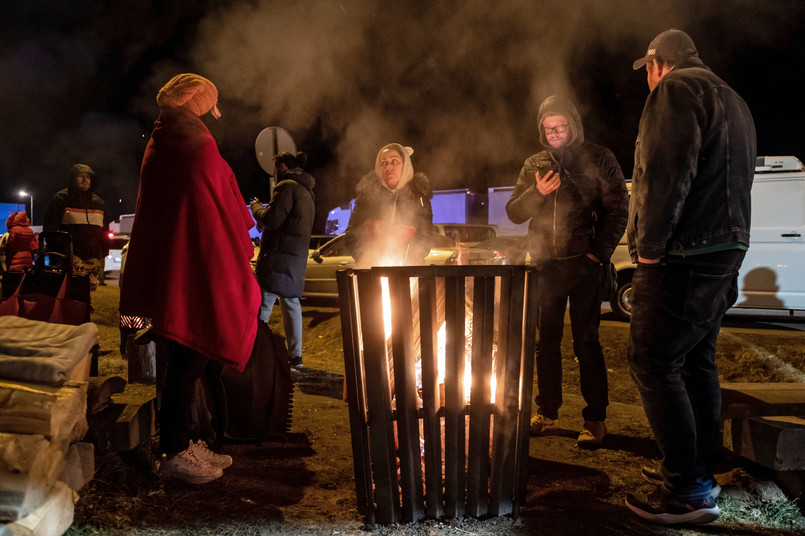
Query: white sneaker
[203,453]
[187,467]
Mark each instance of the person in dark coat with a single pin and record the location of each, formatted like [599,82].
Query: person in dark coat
[282,262]
[688,232]
[574,194]
[80,212]
[392,220]
[21,242]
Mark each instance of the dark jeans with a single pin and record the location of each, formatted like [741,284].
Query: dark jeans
[676,315]
[188,408]
[577,279]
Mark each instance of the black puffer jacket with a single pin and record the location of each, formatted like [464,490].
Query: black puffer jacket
[378,230]
[81,214]
[588,213]
[287,222]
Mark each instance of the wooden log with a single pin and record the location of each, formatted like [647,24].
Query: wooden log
[57,412]
[142,361]
[762,399]
[29,466]
[100,391]
[53,518]
[79,465]
[136,423]
[773,442]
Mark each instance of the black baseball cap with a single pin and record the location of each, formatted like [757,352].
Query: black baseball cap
[670,45]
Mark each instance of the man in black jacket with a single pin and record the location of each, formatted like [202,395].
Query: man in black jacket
[79,211]
[575,195]
[688,232]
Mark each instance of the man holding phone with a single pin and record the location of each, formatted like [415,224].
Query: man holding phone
[574,194]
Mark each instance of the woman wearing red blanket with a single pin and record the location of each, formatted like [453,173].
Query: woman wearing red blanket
[187,268]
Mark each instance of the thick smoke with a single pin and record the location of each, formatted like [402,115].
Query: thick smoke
[458,81]
[455,80]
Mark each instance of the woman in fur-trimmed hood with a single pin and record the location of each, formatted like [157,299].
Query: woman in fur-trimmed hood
[392,219]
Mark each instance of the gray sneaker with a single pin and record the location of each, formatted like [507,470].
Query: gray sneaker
[652,475]
[203,453]
[659,507]
[187,467]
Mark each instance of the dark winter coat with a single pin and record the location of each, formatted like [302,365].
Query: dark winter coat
[694,165]
[21,242]
[391,226]
[587,213]
[82,215]
[288,222]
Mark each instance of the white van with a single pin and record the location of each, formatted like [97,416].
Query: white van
[771,278]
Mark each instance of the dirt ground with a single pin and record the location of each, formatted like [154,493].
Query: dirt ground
[305,484]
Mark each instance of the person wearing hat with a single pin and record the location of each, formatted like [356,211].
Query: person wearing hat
[392,220]
[188,271]
[81,213]
[688,232]
[574,197]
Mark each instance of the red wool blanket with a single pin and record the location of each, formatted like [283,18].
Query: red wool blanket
[187,267]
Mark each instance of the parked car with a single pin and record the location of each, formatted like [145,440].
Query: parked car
[502,250]
[770,281]
[116,243]
[469,234]
[324,262]
[318,240]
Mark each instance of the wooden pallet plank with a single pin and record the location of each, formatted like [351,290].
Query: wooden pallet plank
[454,421]
[378,396]
[431,393]
[478,462]
[405,392]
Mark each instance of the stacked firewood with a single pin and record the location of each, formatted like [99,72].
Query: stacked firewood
[43,460]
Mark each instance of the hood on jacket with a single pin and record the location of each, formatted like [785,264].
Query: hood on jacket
[556,105]
[17,219]
[407,170]
[77,170]
[419,186]
[301,176]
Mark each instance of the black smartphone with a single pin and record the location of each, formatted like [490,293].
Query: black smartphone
[545,168]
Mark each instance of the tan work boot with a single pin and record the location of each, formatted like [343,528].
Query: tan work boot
[592,434]
[541,424]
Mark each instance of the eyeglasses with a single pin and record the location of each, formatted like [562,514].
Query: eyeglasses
[556,130]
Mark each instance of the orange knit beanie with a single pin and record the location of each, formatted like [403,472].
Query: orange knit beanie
[190,91]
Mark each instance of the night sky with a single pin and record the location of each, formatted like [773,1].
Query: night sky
[459,81]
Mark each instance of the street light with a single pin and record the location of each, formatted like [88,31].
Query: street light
[24,193]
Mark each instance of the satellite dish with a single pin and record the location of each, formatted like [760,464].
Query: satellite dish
[270,142]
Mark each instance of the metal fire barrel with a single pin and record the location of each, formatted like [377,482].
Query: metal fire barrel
[426,447]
